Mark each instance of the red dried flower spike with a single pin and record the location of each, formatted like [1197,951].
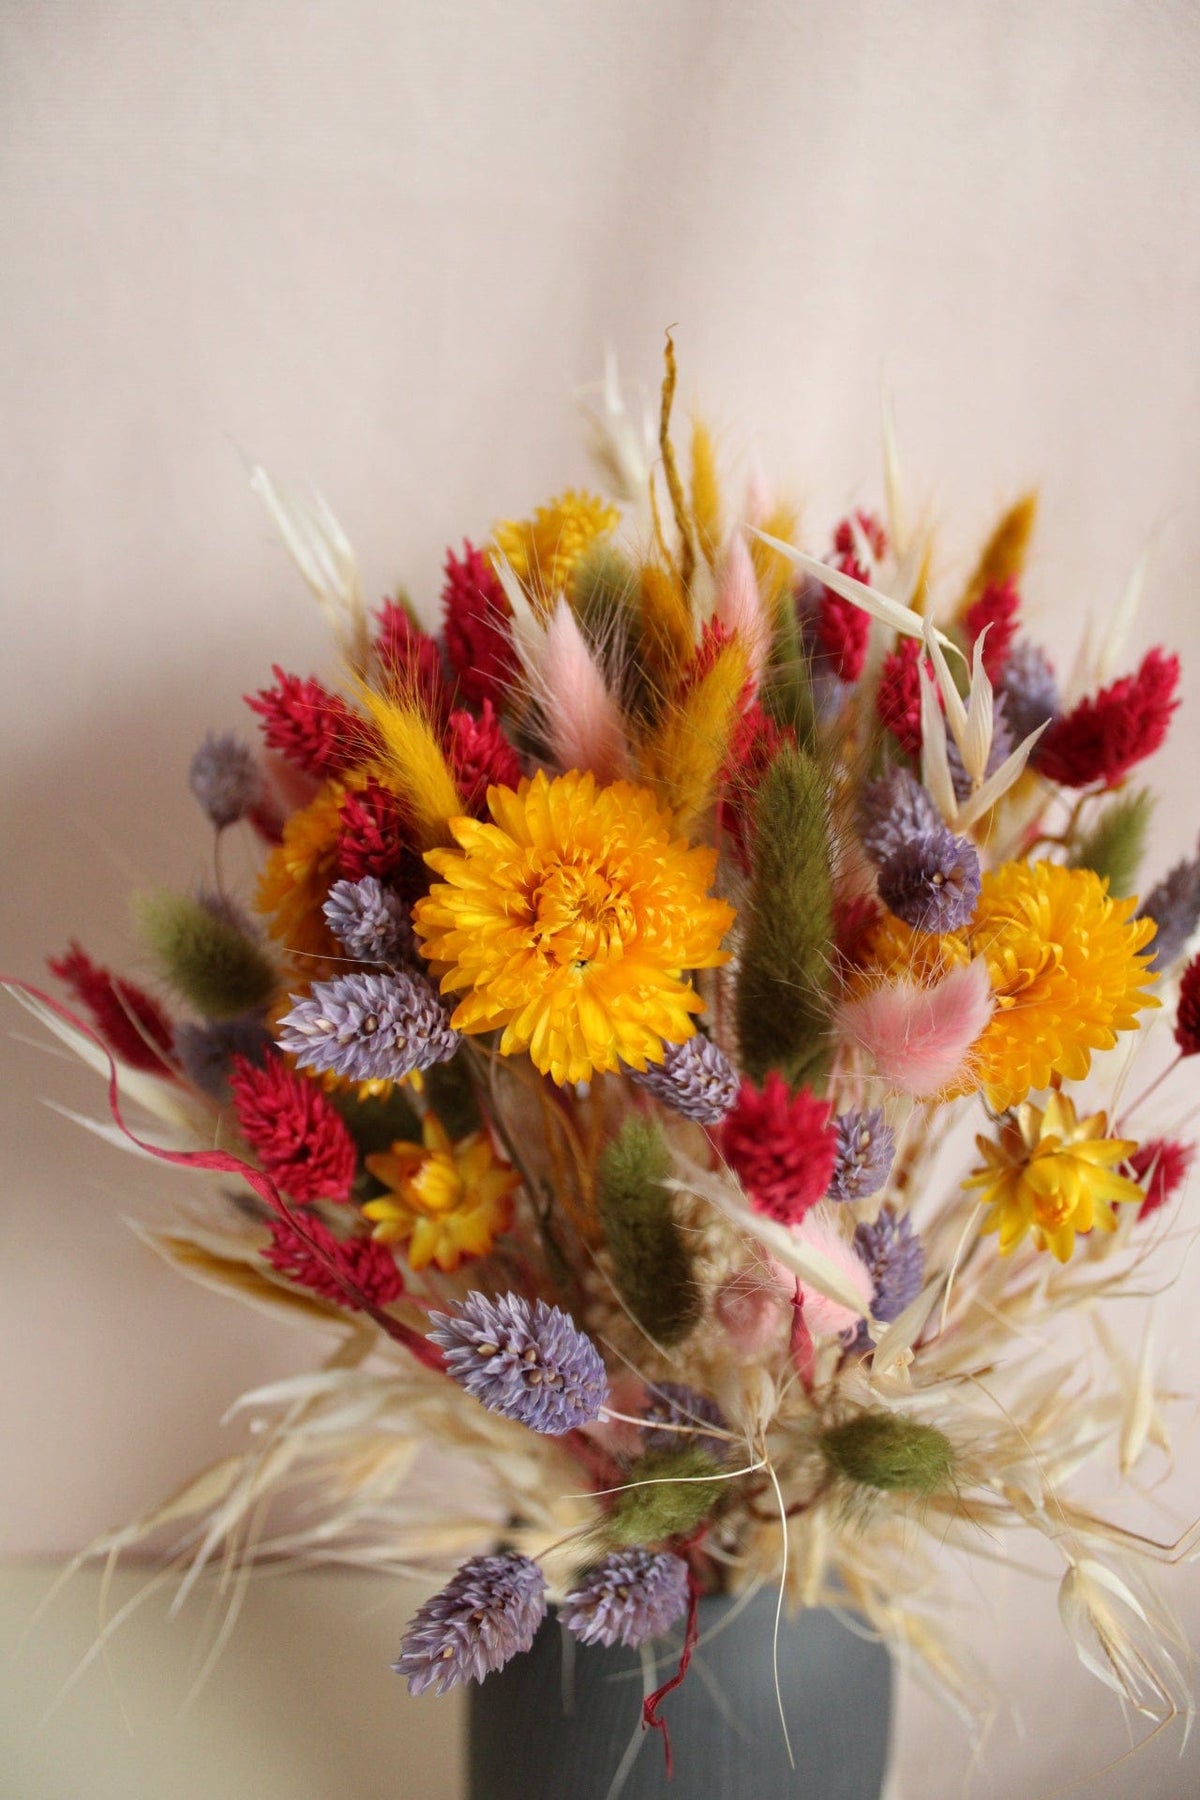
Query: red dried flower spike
[781,1147]
[293,1129]
[854,919]
[1160,1165]
[1103,737]
[477,637]
[997,611]
[843,629]
[845,543]
[131,1022]
[1187,1019]
[898,698]
[313,727]
[411,659]
[373,835]
[480,756]
[366,1265]
[756,739]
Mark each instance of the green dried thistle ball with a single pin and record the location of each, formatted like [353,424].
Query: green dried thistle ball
[678,1496]
[887,1451]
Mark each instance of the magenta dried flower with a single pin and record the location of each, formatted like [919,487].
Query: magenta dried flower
[632,1596]
[488,1612]
[529,1363]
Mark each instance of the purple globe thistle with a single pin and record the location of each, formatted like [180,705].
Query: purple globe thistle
[694,1078]
[206,1051]
[892,811]
[369,1027]
[488,1612]
[1029,689]
[368,920]
[633,1595]
[225,779]
[932,882]
[865,1146]
[1174,905]
[532,1364]
[673,1404]
[1001,749]
[895,1256]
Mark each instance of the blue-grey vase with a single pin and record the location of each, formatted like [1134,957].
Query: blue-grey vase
[560,1724]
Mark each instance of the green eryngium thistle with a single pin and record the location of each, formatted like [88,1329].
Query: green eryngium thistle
[782,995]
[651,1266]
[674,1501]
[204,956]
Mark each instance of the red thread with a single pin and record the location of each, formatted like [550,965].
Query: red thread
[690,1638]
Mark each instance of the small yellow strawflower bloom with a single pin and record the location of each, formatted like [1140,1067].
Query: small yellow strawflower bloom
[448,1200]
[569,922]
[1066,965]
[296,878]
[1054,1174]
[1066,962]
[543,551]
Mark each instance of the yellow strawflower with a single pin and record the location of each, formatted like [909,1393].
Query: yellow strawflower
[569,923]
[1052,1174]
[543,550]
[1066,965]
[448,1200]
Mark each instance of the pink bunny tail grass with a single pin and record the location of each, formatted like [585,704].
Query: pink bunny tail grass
[583,724]
[920,1037]
[823,1231]
[739,606]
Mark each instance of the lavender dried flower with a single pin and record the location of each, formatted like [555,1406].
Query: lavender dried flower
[1174,905]
[369,1027]
[632,1596]
[932,882]
[865,1146]
[368,920]
[895,1256]
[672,1403]
[1029,689]
[488,1612]
[694,1078]
[529,1363]
[206,1051]
[225,779]
[892,811]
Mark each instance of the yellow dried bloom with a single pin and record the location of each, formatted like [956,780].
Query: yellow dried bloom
[543,551]
[569,923]
[296,878]
[1054,1175]
[1066,965]
[448,1200]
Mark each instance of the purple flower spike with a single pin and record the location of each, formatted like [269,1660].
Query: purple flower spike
[893,811]
[225,779]
[532,1364]
[671,1403]
[369,1027]
[368,920]
[631,1596]
[895,1256]
[487,1613]
[932,882]
[1029,689]
[694,1078]
[865,1146]
[1174,905]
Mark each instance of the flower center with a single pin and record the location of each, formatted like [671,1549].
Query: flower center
[579,915]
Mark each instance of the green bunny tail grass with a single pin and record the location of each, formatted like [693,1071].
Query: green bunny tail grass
[890,1452]
[204,955]
[651,1266]
[677,1495]
[783,1006]
[1117,841]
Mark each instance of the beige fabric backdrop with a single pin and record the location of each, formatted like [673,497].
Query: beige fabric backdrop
[377,245]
